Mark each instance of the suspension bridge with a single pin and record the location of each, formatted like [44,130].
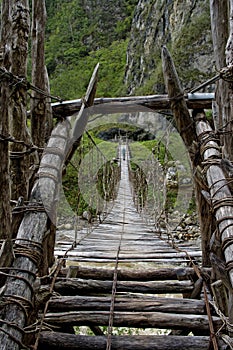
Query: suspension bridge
[122,274]
[125,271]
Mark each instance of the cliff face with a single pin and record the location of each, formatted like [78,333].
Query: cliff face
[182,25]
[109,20]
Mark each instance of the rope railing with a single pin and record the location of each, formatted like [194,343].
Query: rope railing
[93,182]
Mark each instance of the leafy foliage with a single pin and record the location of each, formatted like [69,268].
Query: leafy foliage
[82,33]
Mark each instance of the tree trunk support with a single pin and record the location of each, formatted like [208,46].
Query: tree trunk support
[18,290]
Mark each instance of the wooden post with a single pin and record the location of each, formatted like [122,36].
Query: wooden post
[221,197]
[219,24]
[18,123]
[185,126]
[41,112]
[18,290]
[5,209]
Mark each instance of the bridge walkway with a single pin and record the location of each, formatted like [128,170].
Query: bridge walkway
[130,286]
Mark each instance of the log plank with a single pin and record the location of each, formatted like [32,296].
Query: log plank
[74,286]
[62,341]
[143,304]
[132,275]
[129,255]
[133,319]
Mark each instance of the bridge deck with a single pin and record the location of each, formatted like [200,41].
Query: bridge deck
[125,228]
[124,274]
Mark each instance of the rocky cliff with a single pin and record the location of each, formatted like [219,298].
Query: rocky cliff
[184,26]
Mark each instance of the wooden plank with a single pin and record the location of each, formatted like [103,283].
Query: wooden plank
[142,304]
[133,319]
[124,261]
[130,255]
[63,341]
[131,103]
[138,274]
[75,286]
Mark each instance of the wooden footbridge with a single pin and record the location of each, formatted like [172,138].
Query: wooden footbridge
[159,292]
[129,277]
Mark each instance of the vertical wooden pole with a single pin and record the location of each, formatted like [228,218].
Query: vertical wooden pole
[41,111]
[18,123]
[5,210]
[185,126]
[223,55]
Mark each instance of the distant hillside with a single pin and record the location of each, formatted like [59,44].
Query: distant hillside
[79,34]
[126,38]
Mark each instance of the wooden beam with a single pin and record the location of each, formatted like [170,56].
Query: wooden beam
[129,104]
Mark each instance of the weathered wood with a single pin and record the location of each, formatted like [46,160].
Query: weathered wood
[228,140]
[5,209]
[220,18]
[129,255]
[18,100]
[165,262]
[186,129]
[143,304]
[76,286]
[132,275]
[206,221]
[32,229]
[31,233]
[83,114]
[217,183]
[220,196]
[179,108]
[6,259]
[41,112]
[220,296]
[133,319]
[229,45]
[219,28]
[62,341]
[130,104]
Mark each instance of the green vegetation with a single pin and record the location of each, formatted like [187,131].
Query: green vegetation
[107,180]
[191,36]
[138,179]
[91,174]
[80,34]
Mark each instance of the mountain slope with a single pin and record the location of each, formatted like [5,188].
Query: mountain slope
[126,38]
